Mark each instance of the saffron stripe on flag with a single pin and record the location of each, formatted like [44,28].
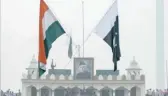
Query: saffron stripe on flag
[49,30]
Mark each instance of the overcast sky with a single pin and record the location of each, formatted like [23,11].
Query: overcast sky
[20,36]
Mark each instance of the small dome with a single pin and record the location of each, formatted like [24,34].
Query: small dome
[134,64]
[33,63]
[33,59]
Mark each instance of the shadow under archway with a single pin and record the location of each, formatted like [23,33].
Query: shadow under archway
[121,91]
[135,91]
[45,91]
[75,91]
[106,92]
[60,91]
[90,91]
[31,91]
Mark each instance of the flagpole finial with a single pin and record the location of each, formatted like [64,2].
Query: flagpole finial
[33,59]
[52,64]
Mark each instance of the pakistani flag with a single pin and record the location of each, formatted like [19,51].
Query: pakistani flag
[49,30]
[108,30]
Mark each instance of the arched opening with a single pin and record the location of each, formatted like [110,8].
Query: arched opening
[142,77]
[106,91]
[135,91]
[123,77]
[60,91]
[91,91]
[132,77]
[121,91]
[75,91]
[31,91]
[45,91]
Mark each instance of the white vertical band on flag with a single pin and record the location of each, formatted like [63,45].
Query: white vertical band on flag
[107,22]
[47,20]
[42,66]
[114,42]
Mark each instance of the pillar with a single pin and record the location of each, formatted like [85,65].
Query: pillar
[142,90]
[24,91]
[29,93]
[114,93]
[129,93]
[53,92]
[98,93]
[38,92]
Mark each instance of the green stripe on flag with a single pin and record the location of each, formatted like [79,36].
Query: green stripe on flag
[41,72]
[53,32]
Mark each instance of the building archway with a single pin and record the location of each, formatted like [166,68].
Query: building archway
[60,91]
[106,91]
[75,91]
[31,91]
[135,91]
[121,91]
[90,91]
[46,91]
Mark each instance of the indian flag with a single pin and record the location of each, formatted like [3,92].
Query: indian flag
[49,30]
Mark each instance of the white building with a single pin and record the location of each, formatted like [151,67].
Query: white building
[60,82]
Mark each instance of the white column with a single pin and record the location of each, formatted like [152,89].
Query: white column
[38,92]
[98,93]
[24,91]
[52,92]
[114,93]
[142,91]
[129,93]
[29,91]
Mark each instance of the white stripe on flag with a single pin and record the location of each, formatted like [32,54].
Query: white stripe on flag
[48,19]
[107,22]
[42,66]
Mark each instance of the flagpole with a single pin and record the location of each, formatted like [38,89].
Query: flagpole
[166,74]
[0,50]
[83,25]
[38,73]
[78,48]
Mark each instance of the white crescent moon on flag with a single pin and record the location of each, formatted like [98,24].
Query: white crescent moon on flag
[114,41]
